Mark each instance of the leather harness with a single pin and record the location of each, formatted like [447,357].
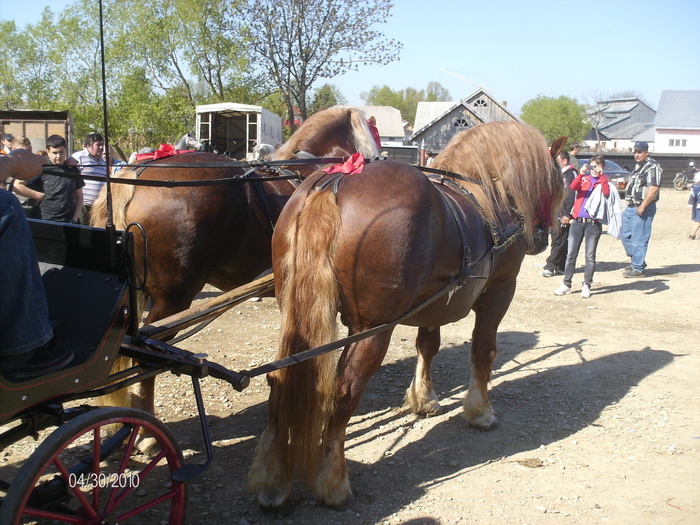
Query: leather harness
[501,239]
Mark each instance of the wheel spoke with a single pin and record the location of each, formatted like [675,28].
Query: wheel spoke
[141,508]
[96,446]
[74,489]
[142,475]
[48,515]
[114,497]
[79,457]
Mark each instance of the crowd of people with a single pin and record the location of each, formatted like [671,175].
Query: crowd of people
[591,202]
[51,196]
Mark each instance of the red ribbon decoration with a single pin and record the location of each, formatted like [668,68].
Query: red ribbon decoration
[354,164]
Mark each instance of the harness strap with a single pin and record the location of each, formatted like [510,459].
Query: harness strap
[324,349]
[466,252]
[335,179]
[301,154]
[262,195]
[502,238]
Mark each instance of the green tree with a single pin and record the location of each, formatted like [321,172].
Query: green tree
[383,96]
[162,57]
[327,96]
[555,117]
[299,42]
[10,83]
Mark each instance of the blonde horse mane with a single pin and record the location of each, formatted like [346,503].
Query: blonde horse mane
[121,196]
[319,124]
[512,162]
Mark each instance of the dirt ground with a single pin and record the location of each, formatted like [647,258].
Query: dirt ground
[597,400]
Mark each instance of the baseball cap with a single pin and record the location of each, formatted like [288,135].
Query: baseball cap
[641,145]
[8,137]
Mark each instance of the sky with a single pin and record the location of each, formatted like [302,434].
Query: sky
[518,50]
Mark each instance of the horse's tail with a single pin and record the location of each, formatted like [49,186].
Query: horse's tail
[121,197]
[303,394]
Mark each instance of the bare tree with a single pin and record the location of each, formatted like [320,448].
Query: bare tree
[595,110]
[300,41]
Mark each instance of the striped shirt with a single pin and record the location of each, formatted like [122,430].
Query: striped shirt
[646,174]
[89,165]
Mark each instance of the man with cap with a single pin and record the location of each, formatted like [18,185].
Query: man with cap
[641,194]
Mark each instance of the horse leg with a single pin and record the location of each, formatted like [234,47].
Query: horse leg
[143,393]
[420,397]
[268,476]
[358,363]
[489,310]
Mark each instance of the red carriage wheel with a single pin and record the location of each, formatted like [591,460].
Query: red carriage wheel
[88,471]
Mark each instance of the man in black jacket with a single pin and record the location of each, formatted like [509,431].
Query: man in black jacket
[557,255]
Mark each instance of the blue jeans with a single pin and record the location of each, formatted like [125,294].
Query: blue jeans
[24,314]
[636,232]
[578,231]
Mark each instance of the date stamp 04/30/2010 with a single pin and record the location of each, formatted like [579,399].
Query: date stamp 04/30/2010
[104,480]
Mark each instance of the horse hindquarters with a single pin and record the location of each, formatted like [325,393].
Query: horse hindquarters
[301,395]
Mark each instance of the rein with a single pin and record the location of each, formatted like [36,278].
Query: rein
[253,167]
[328,347]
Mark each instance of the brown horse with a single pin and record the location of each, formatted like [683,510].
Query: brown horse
[218,234]
[374,245]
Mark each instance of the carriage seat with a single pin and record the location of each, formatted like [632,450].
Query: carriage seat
[82,289]
[85,295]
[88,303]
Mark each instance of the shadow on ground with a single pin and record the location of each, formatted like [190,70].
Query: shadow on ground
[525,406]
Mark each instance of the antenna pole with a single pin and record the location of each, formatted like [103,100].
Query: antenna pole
[111,230]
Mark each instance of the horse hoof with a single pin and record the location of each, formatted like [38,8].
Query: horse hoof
[431,409]
[285,509]
[147,446]
[484,422]
[343,505]
[274,500]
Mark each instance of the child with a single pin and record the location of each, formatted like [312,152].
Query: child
[59,198]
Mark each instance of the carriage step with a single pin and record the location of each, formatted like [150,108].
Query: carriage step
[188,472]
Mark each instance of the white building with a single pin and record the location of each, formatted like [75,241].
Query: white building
[677,123]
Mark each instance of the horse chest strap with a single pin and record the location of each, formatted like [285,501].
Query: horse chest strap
[265,201]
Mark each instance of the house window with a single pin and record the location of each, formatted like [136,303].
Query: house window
[683,143]
[461,123]
[670,143]
[481,103]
